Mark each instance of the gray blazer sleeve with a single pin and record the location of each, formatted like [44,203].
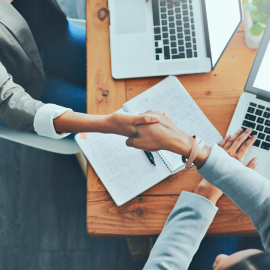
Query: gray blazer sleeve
[182,233]
[17,108]
[249,190]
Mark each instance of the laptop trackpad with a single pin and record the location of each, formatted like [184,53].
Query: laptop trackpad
[130,16]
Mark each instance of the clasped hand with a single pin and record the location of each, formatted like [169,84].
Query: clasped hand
[161,136]
[153,131]
[164,135]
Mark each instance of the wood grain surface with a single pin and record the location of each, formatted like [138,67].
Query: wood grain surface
[217,94]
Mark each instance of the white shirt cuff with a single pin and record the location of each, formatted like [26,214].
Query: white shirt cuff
[43,121]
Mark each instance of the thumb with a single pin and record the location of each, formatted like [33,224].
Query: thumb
[130,142]
[253,163]
[145,119]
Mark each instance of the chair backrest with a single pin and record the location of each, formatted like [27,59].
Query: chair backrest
[77,21]
[63,146]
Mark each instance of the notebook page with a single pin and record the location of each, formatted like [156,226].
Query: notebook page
[171,97]
[126,172]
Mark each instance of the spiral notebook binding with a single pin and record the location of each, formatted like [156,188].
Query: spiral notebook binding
[160,160]
[166,162]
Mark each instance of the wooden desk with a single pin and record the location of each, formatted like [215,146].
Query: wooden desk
[216,93]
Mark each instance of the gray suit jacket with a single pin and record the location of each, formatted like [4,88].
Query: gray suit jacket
[20,58]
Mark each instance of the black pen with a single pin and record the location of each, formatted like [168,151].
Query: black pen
[150,157]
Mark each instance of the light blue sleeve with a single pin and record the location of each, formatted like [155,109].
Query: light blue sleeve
[182,233]
[249,190]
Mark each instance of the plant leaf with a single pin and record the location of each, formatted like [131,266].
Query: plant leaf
[263,24]
[256,29]
[258,17]
[249,7]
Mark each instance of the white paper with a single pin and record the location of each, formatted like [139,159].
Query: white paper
[126,172]
[170,96]
[262,80]
[223,18]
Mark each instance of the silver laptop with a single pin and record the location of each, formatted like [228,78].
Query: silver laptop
[161,37]
[253,108]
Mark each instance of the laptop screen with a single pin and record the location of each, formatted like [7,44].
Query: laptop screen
[262,80]
[223,20]
[258,81]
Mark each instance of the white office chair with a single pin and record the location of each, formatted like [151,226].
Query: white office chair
[77,21]
[63,146]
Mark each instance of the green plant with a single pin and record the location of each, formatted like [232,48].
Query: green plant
[260,14]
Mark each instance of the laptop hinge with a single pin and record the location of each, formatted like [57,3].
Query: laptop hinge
[206,33]
[263,98]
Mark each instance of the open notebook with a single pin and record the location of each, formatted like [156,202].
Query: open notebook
[126,172]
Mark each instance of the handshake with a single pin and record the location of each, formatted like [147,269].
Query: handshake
[151,131]
[154,131]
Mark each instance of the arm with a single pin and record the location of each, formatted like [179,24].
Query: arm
[23,113]
[117,123]
[182,233]
[249,190]
[17,108]
[188,222]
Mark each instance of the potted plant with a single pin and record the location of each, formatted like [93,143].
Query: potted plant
[257,16]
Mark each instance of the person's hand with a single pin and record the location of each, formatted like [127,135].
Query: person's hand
[159,136]
[237,147]
[164,135]
[125,123]
[117,123]
[210,192]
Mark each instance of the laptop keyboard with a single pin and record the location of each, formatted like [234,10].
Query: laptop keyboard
[174,29]
[258,118]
